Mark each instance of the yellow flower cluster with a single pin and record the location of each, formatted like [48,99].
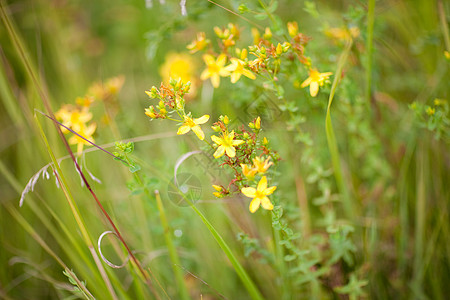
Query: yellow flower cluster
[77,117]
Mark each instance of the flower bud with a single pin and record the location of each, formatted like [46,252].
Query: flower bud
[258,123]
[267,33]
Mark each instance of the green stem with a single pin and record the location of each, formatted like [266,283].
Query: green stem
[331,138]
[184,294]
[248,283]
[443,19]
[369,45]
[286,289]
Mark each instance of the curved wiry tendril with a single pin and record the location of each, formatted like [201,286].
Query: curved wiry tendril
[104,258]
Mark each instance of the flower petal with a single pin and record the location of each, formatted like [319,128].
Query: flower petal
[306,82]
[202,120]
[205,74]
[270,190]
[231,152]
[217,140]
[198,132]
[314,88]
[221,60]
[219,152]
[248,74]
[235,77]
[237,142]
[183,129]
[215,80]
[254,205]
[249,192]
[266,204]
[262,185]
[208,59]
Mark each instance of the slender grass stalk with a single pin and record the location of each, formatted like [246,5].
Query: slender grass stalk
[27,227]
[369,53]
[444,26]
[420,214]
[286,286]
[403,235]
[246,280]
[331,138]
[184,294]
[31,72]
[76,213]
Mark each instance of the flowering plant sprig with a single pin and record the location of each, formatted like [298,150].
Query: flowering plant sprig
[246,153]
[172,102]
[267,56]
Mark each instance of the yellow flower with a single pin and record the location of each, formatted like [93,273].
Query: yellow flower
[258,123]
[84,131]
[343,34]
[218,188]
[180,65]
[194,124]
[315,80]
[226,144]
[259,195]
[292,28]
[260,165]
[199,44]
[447,55]
[114,85]
[247,171]
[237,69]
[73,117]
[214,68]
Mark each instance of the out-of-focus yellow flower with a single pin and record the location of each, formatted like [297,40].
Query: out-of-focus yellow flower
[292,28]
[179,65]
[199,43]
[72,117]
[260,165]
[248,172]
[343,34]
[237,69]
[265,141]
[259,195]
[256,36]
[86,132]
[315,80]
[430,111]
[267,33]
[214,69]
[447,55]
[194,124]
[85,101]
[76,119]
[114,85]
[226,144]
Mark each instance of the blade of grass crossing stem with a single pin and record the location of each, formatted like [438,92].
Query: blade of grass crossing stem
[171,248]
[76,213]
[331,137]
[246,280]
